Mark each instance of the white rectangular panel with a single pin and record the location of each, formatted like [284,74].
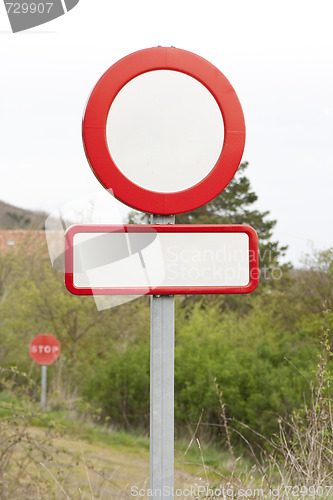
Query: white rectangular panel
[153,259]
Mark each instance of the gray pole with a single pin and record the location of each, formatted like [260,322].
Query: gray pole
[162,328]
[43,390]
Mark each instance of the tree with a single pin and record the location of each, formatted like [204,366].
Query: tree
[235,205]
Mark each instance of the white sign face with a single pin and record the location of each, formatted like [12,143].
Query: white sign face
[169,260]
[165,131]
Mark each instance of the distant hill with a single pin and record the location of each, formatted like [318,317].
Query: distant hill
[12,217]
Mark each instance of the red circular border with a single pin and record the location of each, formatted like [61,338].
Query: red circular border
[96,115]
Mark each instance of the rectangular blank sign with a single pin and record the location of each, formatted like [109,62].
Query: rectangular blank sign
[161,259]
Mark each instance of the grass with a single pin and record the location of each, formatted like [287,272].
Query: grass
[49,452]
[80,428]
[59,451]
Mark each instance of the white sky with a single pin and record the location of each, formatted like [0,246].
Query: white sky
[278,57]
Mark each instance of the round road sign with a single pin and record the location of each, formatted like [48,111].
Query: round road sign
[164,131]
[44,349]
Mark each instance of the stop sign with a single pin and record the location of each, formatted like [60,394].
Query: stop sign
[44,349]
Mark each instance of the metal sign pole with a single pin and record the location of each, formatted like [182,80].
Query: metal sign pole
[43,388]
[162,388]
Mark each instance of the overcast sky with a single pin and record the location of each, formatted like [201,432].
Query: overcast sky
[278,57]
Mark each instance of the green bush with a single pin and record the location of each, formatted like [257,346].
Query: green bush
[247,356]
[255,361]
[121,386]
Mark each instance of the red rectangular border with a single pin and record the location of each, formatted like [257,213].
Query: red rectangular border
[162,228]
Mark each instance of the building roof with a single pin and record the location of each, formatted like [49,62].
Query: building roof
[10,238]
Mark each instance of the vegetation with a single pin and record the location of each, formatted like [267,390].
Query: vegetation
[252,373]
[58,454]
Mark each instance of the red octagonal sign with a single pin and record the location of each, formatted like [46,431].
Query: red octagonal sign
[44,349]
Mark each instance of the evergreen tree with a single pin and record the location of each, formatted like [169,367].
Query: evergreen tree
[235,205]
